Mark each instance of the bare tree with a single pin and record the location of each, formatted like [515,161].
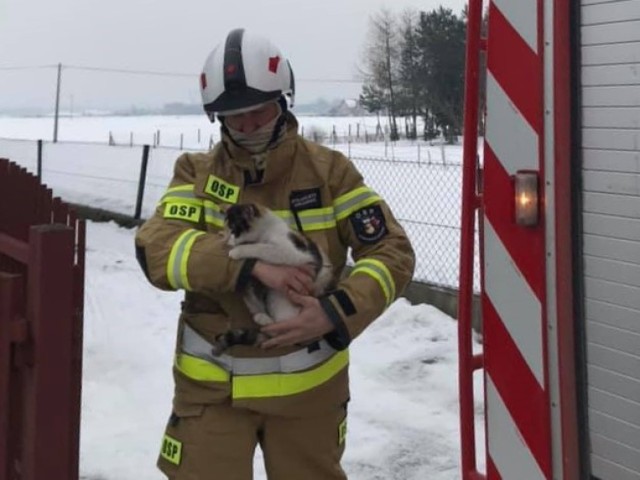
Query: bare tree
[411,87]
[381,61]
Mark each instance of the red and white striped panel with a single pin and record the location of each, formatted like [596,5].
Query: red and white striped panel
[513,297]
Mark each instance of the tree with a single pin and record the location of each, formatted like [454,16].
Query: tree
[441,40]
[411,96]
[373,101]
[381,61]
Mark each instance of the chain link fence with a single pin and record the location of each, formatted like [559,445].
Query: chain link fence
[422,183]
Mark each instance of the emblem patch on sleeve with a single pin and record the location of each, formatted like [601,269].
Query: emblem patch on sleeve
[369,224]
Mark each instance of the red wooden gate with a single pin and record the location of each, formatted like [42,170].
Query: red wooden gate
[42,249]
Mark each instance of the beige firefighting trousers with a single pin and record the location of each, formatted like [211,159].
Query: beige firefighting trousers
[218,442]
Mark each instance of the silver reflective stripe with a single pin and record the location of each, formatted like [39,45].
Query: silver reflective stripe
[213,214]
[359,198]
[193,344]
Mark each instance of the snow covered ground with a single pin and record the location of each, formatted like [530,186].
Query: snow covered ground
[403,418]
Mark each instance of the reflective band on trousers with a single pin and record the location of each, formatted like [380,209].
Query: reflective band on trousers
[259,377]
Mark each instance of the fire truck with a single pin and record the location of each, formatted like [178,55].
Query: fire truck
[558,220]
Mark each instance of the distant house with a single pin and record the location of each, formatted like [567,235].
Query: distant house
[349,107]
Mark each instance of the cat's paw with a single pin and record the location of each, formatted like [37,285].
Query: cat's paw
[235,254]
[262,319]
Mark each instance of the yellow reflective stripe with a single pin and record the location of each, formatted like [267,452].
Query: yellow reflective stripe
[354,200]
[181,193]
[179,257]
[311,219]
[188,187]
[380,273]
[281,384]
[317,219]
[185,200]
[198,369]
[212,214]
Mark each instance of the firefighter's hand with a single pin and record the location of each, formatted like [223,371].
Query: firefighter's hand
[310,324]
[284,278]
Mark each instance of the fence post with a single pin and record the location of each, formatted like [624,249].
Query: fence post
[142,181]
[10,295]
[181,140]
[39,167]
[48,386]
[131,139]
[418,154]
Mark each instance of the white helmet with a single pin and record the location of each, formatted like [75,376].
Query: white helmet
[245,73]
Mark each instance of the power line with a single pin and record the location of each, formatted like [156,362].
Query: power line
[192,75]
[127,71]
[164,74]
[29,67]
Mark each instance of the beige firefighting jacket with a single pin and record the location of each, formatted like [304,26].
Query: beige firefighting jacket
[318,191]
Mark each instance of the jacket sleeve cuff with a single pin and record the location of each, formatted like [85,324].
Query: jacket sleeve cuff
[339,338]
[245,274]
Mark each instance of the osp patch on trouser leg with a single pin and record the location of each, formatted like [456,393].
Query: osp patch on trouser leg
[342,431]
[171,450]
[202,441]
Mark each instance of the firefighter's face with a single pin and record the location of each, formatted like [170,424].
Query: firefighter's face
[251,121]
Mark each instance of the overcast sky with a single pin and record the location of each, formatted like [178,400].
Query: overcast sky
[324,39]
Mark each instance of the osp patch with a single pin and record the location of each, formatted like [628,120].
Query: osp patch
[369,224]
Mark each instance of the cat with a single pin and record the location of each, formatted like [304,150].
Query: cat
[255,232]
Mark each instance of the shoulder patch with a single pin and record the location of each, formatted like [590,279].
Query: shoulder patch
[369,224]
[182,211]
[222,190]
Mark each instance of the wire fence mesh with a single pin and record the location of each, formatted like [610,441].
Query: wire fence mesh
[421,182]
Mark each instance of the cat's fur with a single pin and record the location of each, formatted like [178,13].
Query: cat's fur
[256,232]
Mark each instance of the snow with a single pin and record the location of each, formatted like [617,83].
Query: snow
[403,417]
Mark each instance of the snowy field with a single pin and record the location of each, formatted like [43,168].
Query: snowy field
[403,417]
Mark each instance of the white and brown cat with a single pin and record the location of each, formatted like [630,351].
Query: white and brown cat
[255,232]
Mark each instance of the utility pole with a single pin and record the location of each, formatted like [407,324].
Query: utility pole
[57,112]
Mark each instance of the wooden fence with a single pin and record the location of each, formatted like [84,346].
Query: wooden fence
[42,251]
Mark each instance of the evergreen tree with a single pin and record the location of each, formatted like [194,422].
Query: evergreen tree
[441,40]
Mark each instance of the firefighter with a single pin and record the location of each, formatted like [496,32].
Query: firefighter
[289,399]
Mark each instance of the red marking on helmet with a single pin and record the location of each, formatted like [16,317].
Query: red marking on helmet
[231,69]
[273,64]
[203,80]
